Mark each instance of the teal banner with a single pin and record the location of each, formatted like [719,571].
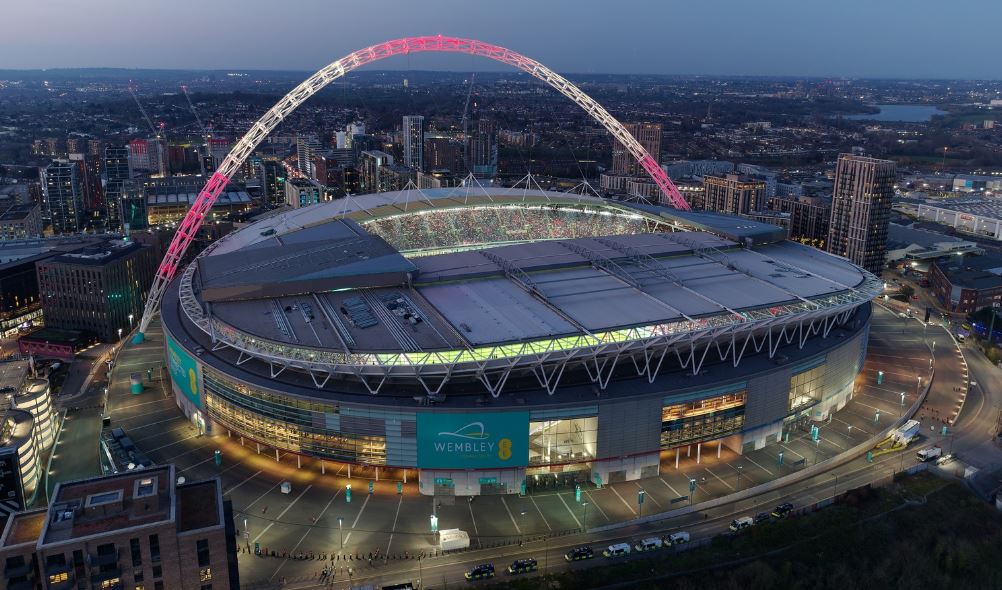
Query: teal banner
[472,441]
[183,371]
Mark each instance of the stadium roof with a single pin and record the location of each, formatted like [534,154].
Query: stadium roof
[298,278]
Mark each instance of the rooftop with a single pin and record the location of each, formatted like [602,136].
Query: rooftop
[198,505]
[431,271]
[88,507]
[974,272]
[24,527]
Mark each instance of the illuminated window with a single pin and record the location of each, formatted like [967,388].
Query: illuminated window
[205,574]
[110,584]
[60,577]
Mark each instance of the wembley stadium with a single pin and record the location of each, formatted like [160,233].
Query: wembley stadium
[486,337]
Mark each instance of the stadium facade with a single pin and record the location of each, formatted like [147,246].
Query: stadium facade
[490,338]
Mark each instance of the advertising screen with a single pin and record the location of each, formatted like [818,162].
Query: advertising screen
[183,371]
[473,440]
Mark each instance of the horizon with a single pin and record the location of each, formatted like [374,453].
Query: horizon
[856,39]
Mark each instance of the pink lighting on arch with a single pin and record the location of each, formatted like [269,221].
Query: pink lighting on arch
[437,43]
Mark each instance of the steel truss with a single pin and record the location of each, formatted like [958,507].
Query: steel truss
[729,335]
[291,101]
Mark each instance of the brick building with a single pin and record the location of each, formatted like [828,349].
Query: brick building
[135,529]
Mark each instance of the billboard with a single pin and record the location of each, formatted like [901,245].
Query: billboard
[183,371]
[477,440]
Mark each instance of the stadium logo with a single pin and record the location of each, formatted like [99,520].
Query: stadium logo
[469,431]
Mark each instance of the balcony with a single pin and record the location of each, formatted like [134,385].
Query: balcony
[58,568]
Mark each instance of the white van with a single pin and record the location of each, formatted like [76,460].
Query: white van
[741,523]
[648,544]
[617,550]
[677,538]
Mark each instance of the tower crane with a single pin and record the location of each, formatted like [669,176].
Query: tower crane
[161,163]
[205,134]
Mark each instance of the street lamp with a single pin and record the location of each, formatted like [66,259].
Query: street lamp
[817,448]
[119,333]
[585,505]
[902,398]
[130,319]
[340,530]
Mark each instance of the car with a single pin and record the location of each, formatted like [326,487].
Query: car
[741,523]
[579,554]
[946,459]
[762,517]
[677,538]
[617,550]
[783,510]
[481,572]
[649,544]
[521,566]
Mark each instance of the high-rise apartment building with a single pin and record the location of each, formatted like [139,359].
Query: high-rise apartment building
[117,173]
[649,136]
[413,132]
[733,194]
[483,156]
[62,196]
[306,147]
[861,208]
[810,217]
[442,152]
[135,529]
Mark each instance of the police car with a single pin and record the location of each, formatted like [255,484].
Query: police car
[521,566]
[579,554]
[480,572]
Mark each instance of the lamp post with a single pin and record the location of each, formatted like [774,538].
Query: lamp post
[340,530]
[585,506]
[739,475]
[130,319]
[119,333]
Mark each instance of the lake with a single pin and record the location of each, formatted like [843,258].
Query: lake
[907,113]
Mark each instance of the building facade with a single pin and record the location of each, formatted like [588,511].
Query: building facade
[733,194]
[62,195]
[117,172]
[861,209]
[136,529]
[100,289]
[649,136]
[810,217]
[20,222]
[300,192]
[413,132]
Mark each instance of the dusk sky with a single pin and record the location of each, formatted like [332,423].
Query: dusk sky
[853,38]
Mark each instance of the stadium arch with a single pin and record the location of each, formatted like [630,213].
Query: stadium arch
[437,43]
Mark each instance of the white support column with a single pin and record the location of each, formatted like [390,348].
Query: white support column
[323,468]
[677,454]
[349,471]
[720,444]
[299,461]
[258,448]
[276,455]
[699,450]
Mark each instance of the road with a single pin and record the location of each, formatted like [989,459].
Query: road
[316,515]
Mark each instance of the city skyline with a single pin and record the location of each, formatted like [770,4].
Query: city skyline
[777,39]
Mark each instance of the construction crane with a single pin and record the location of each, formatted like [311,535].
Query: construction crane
[205,134]
[161,164]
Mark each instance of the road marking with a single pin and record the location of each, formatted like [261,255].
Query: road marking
[172,444]
[511,516]
[120,408]
[784,447]
[646,495]
[625,503]
[540,513]
[400,502]
[308,531]
[596,505]
[357,516]
[281,514]
[135,428]
[673,490]
[718,478]
[473,518]
[251,505]
[860,428]
[755,463]
[564,502]
[230,491]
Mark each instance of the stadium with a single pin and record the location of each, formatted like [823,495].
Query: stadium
[489,339]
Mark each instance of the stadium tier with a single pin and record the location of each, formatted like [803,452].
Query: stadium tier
[489,337]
